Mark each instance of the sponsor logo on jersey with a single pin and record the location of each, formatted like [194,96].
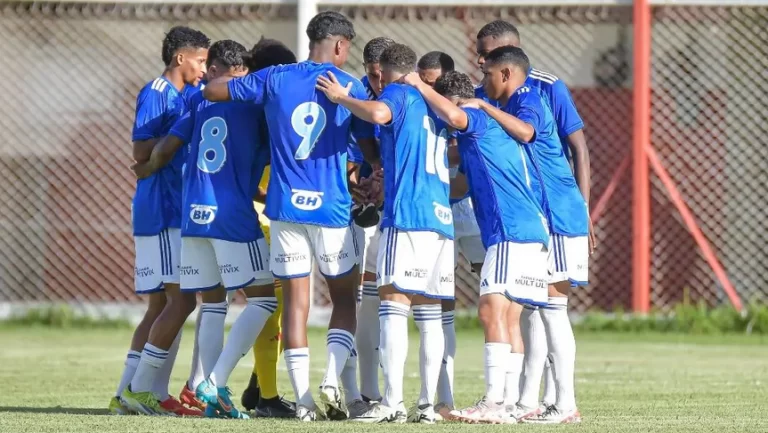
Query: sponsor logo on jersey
[446,278]
[416,273]
[144,272]
[531,282]
[443,213]
[189,270]
[306,200]
[291,257]
[202,214]
[335,257]
[228,269]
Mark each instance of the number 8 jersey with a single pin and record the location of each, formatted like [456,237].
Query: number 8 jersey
[308,139]
[416,175]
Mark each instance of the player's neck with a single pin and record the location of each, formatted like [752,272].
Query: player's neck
[319,55]
[173,75]
[508,92]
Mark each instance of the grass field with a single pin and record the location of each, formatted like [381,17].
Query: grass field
[61,381]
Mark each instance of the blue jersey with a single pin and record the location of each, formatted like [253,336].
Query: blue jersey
[413,154]
[309,137]
[355,155]
[228,151]
[499,183]
[566,207]
[189,91]
[157,203]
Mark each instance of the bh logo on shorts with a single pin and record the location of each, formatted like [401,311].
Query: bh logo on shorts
[443,213]
[306,200]
[202,214]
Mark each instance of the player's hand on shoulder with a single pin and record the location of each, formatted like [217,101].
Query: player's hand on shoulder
[332,88]
[142,169]
[411,79]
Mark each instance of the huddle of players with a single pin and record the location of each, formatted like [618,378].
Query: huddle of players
[512,165]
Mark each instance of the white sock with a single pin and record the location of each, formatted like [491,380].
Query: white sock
[535,340]
[244,332]
[211,337]
[512,382]
[297,362]
[367,341]
[445,382]
[550,389]
[340,343]
[496,358]
[349,379]
[196,371]
[164,374]
[562,348]
[131,362]
[152,358]
[393,350]
[428,319]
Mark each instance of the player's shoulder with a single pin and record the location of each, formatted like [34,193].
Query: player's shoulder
[158,87]
[345,77]
[543,78]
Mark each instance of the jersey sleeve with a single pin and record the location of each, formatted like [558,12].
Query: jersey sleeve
[183,128]
[354,154]
[393,97]
[251,88]
[150,115]
[476,123]
[361,128]
[529,107]
[564,109]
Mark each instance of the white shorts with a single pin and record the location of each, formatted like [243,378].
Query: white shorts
[157,260]
[294,246]
[370,243]
[207,263]
[519,271]
[570,259]
[419,263]
[468,242]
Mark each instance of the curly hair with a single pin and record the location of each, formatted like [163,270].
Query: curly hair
[227,53]
[373,49]
[399,57]
[268,52]
[455,84]
[329,23]
[181,37]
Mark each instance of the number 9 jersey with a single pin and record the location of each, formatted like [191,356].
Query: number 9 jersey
[416,175]
[308,139]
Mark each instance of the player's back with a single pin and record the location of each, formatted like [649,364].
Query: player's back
[228,153]
[500,183]
[567,208]
[156,204]
[415,162]
[309,136]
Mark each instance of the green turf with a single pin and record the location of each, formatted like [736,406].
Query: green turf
[61,381]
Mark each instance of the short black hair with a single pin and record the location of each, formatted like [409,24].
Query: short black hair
[399,57]
[497,29]
[181,37]
[373,49]
[329,23]
[455,84]
[227,53]
[268,52]
[509,55]
[436,60]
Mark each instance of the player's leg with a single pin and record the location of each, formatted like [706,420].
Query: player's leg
[140,393]
[535,342]
[241,265]
[291,262]
[571,257]
[337,251]
[187,395]
[445,402]
[367,335]
[147,282]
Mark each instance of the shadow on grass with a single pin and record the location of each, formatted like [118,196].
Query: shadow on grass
[58,409]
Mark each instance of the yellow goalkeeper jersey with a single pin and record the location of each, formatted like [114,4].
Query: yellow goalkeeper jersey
[260,207]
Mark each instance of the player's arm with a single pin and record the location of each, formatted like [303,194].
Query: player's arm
[577,142]
[163,151]
[260,196]
[142,149]
[370,111]
[454,116]
[570,125]
[459,186]
[454,159]
[250,88]
[520,128]
[148,123]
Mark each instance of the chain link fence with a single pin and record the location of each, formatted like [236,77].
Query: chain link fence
[73,71]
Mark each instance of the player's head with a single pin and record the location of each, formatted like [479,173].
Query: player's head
[396,61]
[332,33]
[434,64]
[455,86]
[372,57]
[493,35]
[186,49]
[225,59]
[268,52]
[505,69]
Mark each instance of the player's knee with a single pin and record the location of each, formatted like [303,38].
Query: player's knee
[183,303]
[448,304]
[491,311]
[156,304]
[264,289]
[560,289]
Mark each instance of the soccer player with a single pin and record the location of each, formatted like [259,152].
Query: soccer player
[513,227]
[367,336]
[156,215]
[430,67]
[308,199]
[433,65]
[261,395]
[528,118]
[570,131]
[415,261]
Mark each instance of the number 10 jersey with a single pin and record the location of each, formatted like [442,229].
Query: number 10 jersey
[308,140]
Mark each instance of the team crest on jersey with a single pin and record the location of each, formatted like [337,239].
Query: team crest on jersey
[306,200]
[202,214]
[443,213]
